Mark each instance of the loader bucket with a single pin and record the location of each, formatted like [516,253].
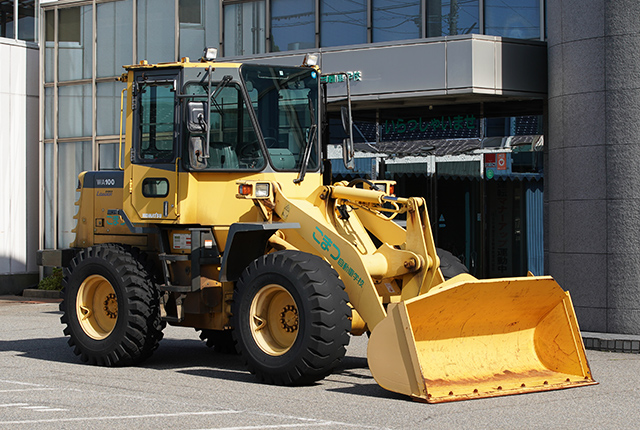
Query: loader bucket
[469,339]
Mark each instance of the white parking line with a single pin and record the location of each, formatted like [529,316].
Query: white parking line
[308,421]
[302,422]
[43,408]
[27,389]
[51,410]
[124,417]
[275,426]
[20,383]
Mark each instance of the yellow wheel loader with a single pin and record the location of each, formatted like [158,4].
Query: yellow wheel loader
[219,219]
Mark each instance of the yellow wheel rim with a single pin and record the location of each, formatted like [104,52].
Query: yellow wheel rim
[274,320]
[97,307]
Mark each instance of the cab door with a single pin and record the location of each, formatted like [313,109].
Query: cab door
[154,173]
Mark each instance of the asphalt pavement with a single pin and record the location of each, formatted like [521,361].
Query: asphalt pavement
[186,385]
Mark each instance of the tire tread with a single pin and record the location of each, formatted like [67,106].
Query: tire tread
[329,317]
[143,326]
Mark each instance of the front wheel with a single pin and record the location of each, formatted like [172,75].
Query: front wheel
[290,317]
[110,307]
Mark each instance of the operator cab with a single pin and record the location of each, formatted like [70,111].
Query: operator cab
[209,122]
[226,118]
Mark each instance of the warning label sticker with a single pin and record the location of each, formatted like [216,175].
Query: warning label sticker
[181,241]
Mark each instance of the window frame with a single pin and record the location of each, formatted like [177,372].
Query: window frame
[147,77]
[158,180]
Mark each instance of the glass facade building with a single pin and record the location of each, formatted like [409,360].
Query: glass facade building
[84,45]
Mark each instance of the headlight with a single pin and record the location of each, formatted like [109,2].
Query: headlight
[262,190]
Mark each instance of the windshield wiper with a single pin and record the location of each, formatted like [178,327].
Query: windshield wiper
[211,98]
[307,154]
[308,144]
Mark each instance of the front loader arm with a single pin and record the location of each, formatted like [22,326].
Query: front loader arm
[407,268]
[420,240]
[322,237]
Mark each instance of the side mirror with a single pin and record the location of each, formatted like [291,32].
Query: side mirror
[196,120]
[346,120]
[196,153]
[348,152]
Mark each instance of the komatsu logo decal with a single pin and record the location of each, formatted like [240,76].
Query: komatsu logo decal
[327,245]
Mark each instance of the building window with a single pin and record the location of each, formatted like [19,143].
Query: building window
[75,112]
[26,22]
[190,12]
[396,20]
[199,27]
[519,19]
[6,19]
[69,28]
[244,28]
[452,17]
[156,31]
[73,158]
[75,45]
[343,22]
[293,25]
[114,24]
[49,45]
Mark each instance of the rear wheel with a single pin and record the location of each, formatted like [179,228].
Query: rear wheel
[290,317]
[450,265]
[110,307]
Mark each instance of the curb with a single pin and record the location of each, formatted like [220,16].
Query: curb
[612,342]
[42,294]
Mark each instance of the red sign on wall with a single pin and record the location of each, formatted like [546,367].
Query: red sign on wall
[501,161]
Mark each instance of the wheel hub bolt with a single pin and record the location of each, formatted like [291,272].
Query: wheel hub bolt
[111,306]
[289,318]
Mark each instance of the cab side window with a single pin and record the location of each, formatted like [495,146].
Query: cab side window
[157,119]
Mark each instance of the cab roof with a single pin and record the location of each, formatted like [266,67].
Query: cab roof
[184,63]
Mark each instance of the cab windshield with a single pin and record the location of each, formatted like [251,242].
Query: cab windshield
[285,101]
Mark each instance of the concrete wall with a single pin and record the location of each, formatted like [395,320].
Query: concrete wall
[593,171]
[19,124]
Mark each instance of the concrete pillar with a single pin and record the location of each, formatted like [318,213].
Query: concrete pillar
[593,171]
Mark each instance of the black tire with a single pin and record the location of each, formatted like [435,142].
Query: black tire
[220,340]
[149,264]
[307,299]
[110,307]
[450,265]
